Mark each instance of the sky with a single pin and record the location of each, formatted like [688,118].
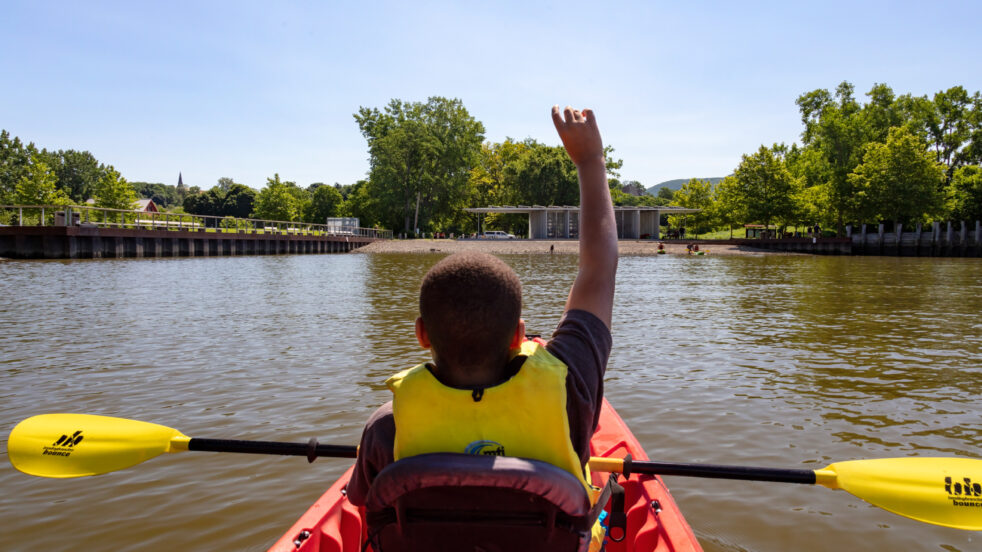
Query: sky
[249,89]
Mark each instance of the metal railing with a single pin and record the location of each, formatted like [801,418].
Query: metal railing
[100,217]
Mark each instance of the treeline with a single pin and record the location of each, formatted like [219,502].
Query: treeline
[893,159]
[32,176]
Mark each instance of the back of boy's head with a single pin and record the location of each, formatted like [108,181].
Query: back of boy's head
[470,304]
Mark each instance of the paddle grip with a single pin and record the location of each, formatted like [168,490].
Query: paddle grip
[272,447]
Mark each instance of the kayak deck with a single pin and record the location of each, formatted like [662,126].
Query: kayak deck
[654,522]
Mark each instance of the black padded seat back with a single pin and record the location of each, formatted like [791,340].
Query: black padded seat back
[450,501]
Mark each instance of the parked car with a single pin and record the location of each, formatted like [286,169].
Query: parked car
[497,235]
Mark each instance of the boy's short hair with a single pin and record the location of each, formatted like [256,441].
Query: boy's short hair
[470,304]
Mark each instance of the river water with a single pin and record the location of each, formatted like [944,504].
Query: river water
[783,361]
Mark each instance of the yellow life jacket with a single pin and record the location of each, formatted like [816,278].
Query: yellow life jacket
[524,416]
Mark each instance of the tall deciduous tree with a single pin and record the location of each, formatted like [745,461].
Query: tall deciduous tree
[325,202]
[112,191]
[901,178]
[239,201]
[15,159]
[765,189]
[276,201]
[491,179]
[420,160]
[544,175]
[78,173]
[727,207]
[38,186]
[965,193]
[696,194]
[951,125]
[835,126]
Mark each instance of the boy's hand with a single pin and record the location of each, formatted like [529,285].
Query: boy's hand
[580,135]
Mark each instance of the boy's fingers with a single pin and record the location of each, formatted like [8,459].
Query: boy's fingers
[557,119]
[569,114]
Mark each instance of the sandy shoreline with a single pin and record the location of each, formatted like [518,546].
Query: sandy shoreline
[519,247]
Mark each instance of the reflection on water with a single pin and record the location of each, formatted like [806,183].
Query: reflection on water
[771,361]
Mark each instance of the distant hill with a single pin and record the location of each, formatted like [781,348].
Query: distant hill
[674,185]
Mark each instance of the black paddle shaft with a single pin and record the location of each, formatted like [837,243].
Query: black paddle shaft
[310,449]
[746,473]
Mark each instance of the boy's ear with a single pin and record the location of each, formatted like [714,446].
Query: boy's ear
[421,336]
[519,337]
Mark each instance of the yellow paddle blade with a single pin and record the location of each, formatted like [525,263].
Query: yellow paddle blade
[943,491]
[76,445]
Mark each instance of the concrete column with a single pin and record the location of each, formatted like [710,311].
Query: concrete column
[538,225]
[649,223]
[632,224]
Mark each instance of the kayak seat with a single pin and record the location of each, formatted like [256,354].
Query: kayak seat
[451,501]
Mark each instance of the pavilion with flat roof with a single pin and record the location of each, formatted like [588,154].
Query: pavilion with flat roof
[563,222]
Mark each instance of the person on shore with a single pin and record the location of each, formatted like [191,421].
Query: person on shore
[470,319]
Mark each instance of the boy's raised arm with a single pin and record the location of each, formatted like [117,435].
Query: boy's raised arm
[593,290]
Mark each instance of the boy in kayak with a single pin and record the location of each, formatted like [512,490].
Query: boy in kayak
[470,319]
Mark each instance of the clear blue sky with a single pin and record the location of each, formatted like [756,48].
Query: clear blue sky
[247,89]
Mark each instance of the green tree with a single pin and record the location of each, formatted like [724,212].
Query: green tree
[965,193]
[491,180]
[276,201]
[765,189]
[78,173]
[112,191]
[811,169]
[543,175]
[696,194]
[38,186]
[239,201]
[901,178]
[420,160]
[204,203]
[15,160]
[325,202]
[951,124]
[836,126]
[225,184]
[666,194]
[302,198]
[359,203]
[727,208]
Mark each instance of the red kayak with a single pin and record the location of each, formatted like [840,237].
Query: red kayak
[654,522]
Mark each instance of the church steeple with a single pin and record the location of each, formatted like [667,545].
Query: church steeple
[182,190]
